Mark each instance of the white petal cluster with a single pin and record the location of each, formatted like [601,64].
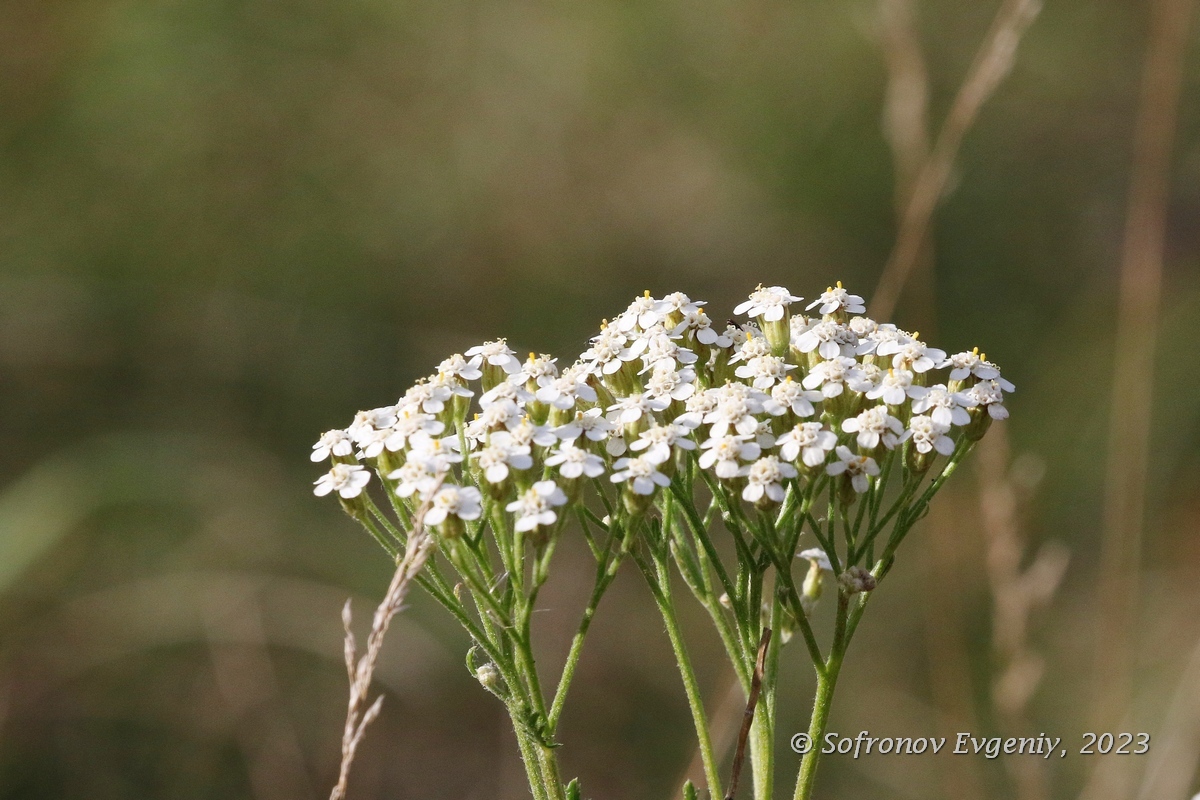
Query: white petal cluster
[770,303]
[348,480]
[763,404]
[859,468]
[836,299]
[765,478]
[464,502]
[641,473]
[535,506]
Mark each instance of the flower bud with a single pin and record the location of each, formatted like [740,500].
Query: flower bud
[488,676]
[493,375]
[845,491]
[855,580]
[636,504]
[916,461]
[814,582]
[388,462]
[981,420]
[786,625]
[452,527]
[778,333]
[355,506]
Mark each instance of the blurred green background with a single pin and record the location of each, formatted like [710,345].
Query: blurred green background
[226,225]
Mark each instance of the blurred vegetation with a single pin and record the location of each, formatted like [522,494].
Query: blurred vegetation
[225,226]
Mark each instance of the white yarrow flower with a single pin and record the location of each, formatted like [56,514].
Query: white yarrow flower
[459,368]
[791,396]
[415,478]
[963,365]
[525,434]
[429,397]
[752,347]
[658,441]
[829,339]
[439,454]
[335,442]
[860,469]
[699,326]
[927,434]
[506,392]
[668,383]
[896,387]
[606,350]
[677,303]
[348,480]
[737,405]
[574,462]
[643,312]
[498,354]
[629,410]
[367,423]
[770,303]
[537,369]
[875,426]
[764,371]
[808,440]
[765,477]
[661,352]
[989,395]
[698,406]
[837,298]
[496,417]
[410,423]
[722,454]
[945,408]
[535,506]
[590,424]
[464,502]
[641,473]
[832,376]
[496,459]
[565,391]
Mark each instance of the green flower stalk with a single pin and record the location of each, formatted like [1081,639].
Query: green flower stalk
[768,466]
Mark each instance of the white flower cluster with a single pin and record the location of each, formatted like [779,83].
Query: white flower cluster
[780,398]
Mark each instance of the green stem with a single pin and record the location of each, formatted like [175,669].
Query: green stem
[555,790]
[700,532]
[605,572]
[659,579]
[762,731]
[826,683]
[529,756]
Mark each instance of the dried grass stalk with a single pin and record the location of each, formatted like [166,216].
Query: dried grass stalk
[992,63]
[359,670]
[1133,373]
[1016,594]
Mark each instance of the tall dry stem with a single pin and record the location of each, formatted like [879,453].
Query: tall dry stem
[359,670]
[921,173]
[1133,373]
[992,63]
[1016,593]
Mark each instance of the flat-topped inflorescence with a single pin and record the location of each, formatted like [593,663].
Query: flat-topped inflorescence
[659,382]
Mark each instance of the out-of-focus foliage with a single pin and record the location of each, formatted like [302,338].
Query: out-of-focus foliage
[226,226]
